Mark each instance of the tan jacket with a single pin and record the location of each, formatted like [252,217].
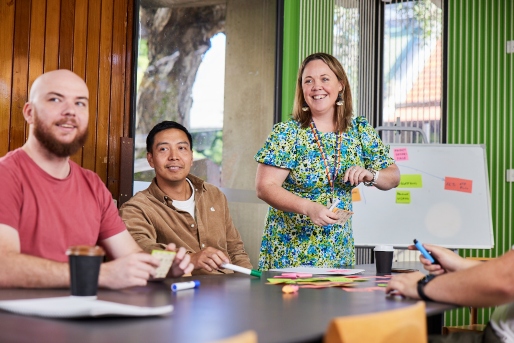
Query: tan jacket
[154,222]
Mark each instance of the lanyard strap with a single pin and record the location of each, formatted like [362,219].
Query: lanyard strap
[331,176]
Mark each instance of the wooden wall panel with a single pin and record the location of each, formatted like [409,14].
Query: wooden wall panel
[20,75]
[53,17]
[92,38]
[104,90]
[92,63]
[6,69]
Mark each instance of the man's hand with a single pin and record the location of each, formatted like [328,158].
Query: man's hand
[131,270]
[209,259]
[449,261]
[181,263]
[405,284]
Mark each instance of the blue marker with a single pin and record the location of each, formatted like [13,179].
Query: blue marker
[178,286]
[424,252]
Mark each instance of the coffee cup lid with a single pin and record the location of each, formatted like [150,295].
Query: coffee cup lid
[384,248]
[85,250]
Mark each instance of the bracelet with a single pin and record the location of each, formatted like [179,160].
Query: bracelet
[374,180]
[421,285]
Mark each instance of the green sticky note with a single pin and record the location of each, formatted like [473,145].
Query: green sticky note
[410,181]
[403,197]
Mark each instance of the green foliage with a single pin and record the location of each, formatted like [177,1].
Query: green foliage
[428,17]
[214,152]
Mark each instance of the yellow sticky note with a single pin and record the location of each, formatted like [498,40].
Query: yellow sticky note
[410,181]
[166,258]
[403,197]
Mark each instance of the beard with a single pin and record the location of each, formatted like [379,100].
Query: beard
[52,144]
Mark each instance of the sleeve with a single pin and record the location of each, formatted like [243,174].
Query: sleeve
[375,152]
[280,147]
[11,198]
[235,246]
[140,226]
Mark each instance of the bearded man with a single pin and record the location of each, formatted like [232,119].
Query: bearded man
[49,203]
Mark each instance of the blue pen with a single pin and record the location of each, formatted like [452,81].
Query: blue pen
[424,252]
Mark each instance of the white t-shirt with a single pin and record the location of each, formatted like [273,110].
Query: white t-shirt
[502,322]
[189,204]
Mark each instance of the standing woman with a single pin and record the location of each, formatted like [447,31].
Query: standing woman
[308,162]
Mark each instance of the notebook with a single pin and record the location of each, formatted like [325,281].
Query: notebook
[77,307]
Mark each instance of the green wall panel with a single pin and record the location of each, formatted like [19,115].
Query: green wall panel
[480,107]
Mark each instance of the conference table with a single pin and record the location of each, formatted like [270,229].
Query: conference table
[223,306]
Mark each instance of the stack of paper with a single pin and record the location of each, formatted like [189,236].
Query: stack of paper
[75,307]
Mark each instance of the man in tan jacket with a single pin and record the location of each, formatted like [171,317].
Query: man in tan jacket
[181,208]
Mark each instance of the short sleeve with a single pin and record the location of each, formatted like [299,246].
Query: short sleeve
[280,147]
[11,199]
[375,152]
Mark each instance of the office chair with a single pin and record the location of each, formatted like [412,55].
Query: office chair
[473,314]
[249,336]
[405,325]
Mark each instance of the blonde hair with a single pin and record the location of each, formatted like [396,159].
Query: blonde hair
[343,114]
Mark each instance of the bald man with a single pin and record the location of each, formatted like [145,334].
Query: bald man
[49,203]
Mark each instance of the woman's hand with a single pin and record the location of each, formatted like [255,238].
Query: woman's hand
[356,175]
[320,215]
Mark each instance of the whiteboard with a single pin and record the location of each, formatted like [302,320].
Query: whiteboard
[443,199]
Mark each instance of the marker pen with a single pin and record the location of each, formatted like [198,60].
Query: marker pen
[333,207]
[178,286]
[242,269]
[424,252]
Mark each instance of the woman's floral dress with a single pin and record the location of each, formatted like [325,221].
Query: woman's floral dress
[292,239]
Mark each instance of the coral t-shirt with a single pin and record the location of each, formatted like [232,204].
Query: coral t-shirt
[52,214]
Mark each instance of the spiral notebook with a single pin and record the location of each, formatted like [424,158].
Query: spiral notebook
[78,307]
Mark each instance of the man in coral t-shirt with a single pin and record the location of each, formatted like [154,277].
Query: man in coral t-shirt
[49,203]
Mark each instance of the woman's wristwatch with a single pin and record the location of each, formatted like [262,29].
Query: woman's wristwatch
[375,178]
[421,285]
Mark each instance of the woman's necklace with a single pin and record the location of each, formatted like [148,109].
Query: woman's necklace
[331,176]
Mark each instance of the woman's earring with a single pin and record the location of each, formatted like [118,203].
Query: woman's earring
[339,100]
[305,107]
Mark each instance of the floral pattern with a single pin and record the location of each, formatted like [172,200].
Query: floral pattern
[292,239]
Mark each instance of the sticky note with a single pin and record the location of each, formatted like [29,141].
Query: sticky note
[459,185]
[410,181]
[166,257]
[356,195]
[403,197]
[401,154]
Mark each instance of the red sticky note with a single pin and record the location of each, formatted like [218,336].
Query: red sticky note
[401,154]
[459,185]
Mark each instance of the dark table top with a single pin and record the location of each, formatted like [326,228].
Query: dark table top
[224,305]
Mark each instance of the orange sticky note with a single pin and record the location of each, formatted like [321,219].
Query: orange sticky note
[459,185]
[356,194]
[401,154]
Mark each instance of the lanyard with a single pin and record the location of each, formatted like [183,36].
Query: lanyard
[331,176]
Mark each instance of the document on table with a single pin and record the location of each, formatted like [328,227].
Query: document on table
[318,271]
[77,307]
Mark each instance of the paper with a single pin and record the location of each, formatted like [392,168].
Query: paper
[77,307]
[166,258]
[459,185]
[410,181]
[318,271]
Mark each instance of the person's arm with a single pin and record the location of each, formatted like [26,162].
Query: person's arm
[449,261]
[388,177]
[25,271]
[268,184]
[140,226]
[483,285]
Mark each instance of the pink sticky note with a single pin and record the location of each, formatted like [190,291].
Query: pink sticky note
[401,154]
[459,185]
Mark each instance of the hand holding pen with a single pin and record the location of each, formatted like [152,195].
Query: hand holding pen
[445,259]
